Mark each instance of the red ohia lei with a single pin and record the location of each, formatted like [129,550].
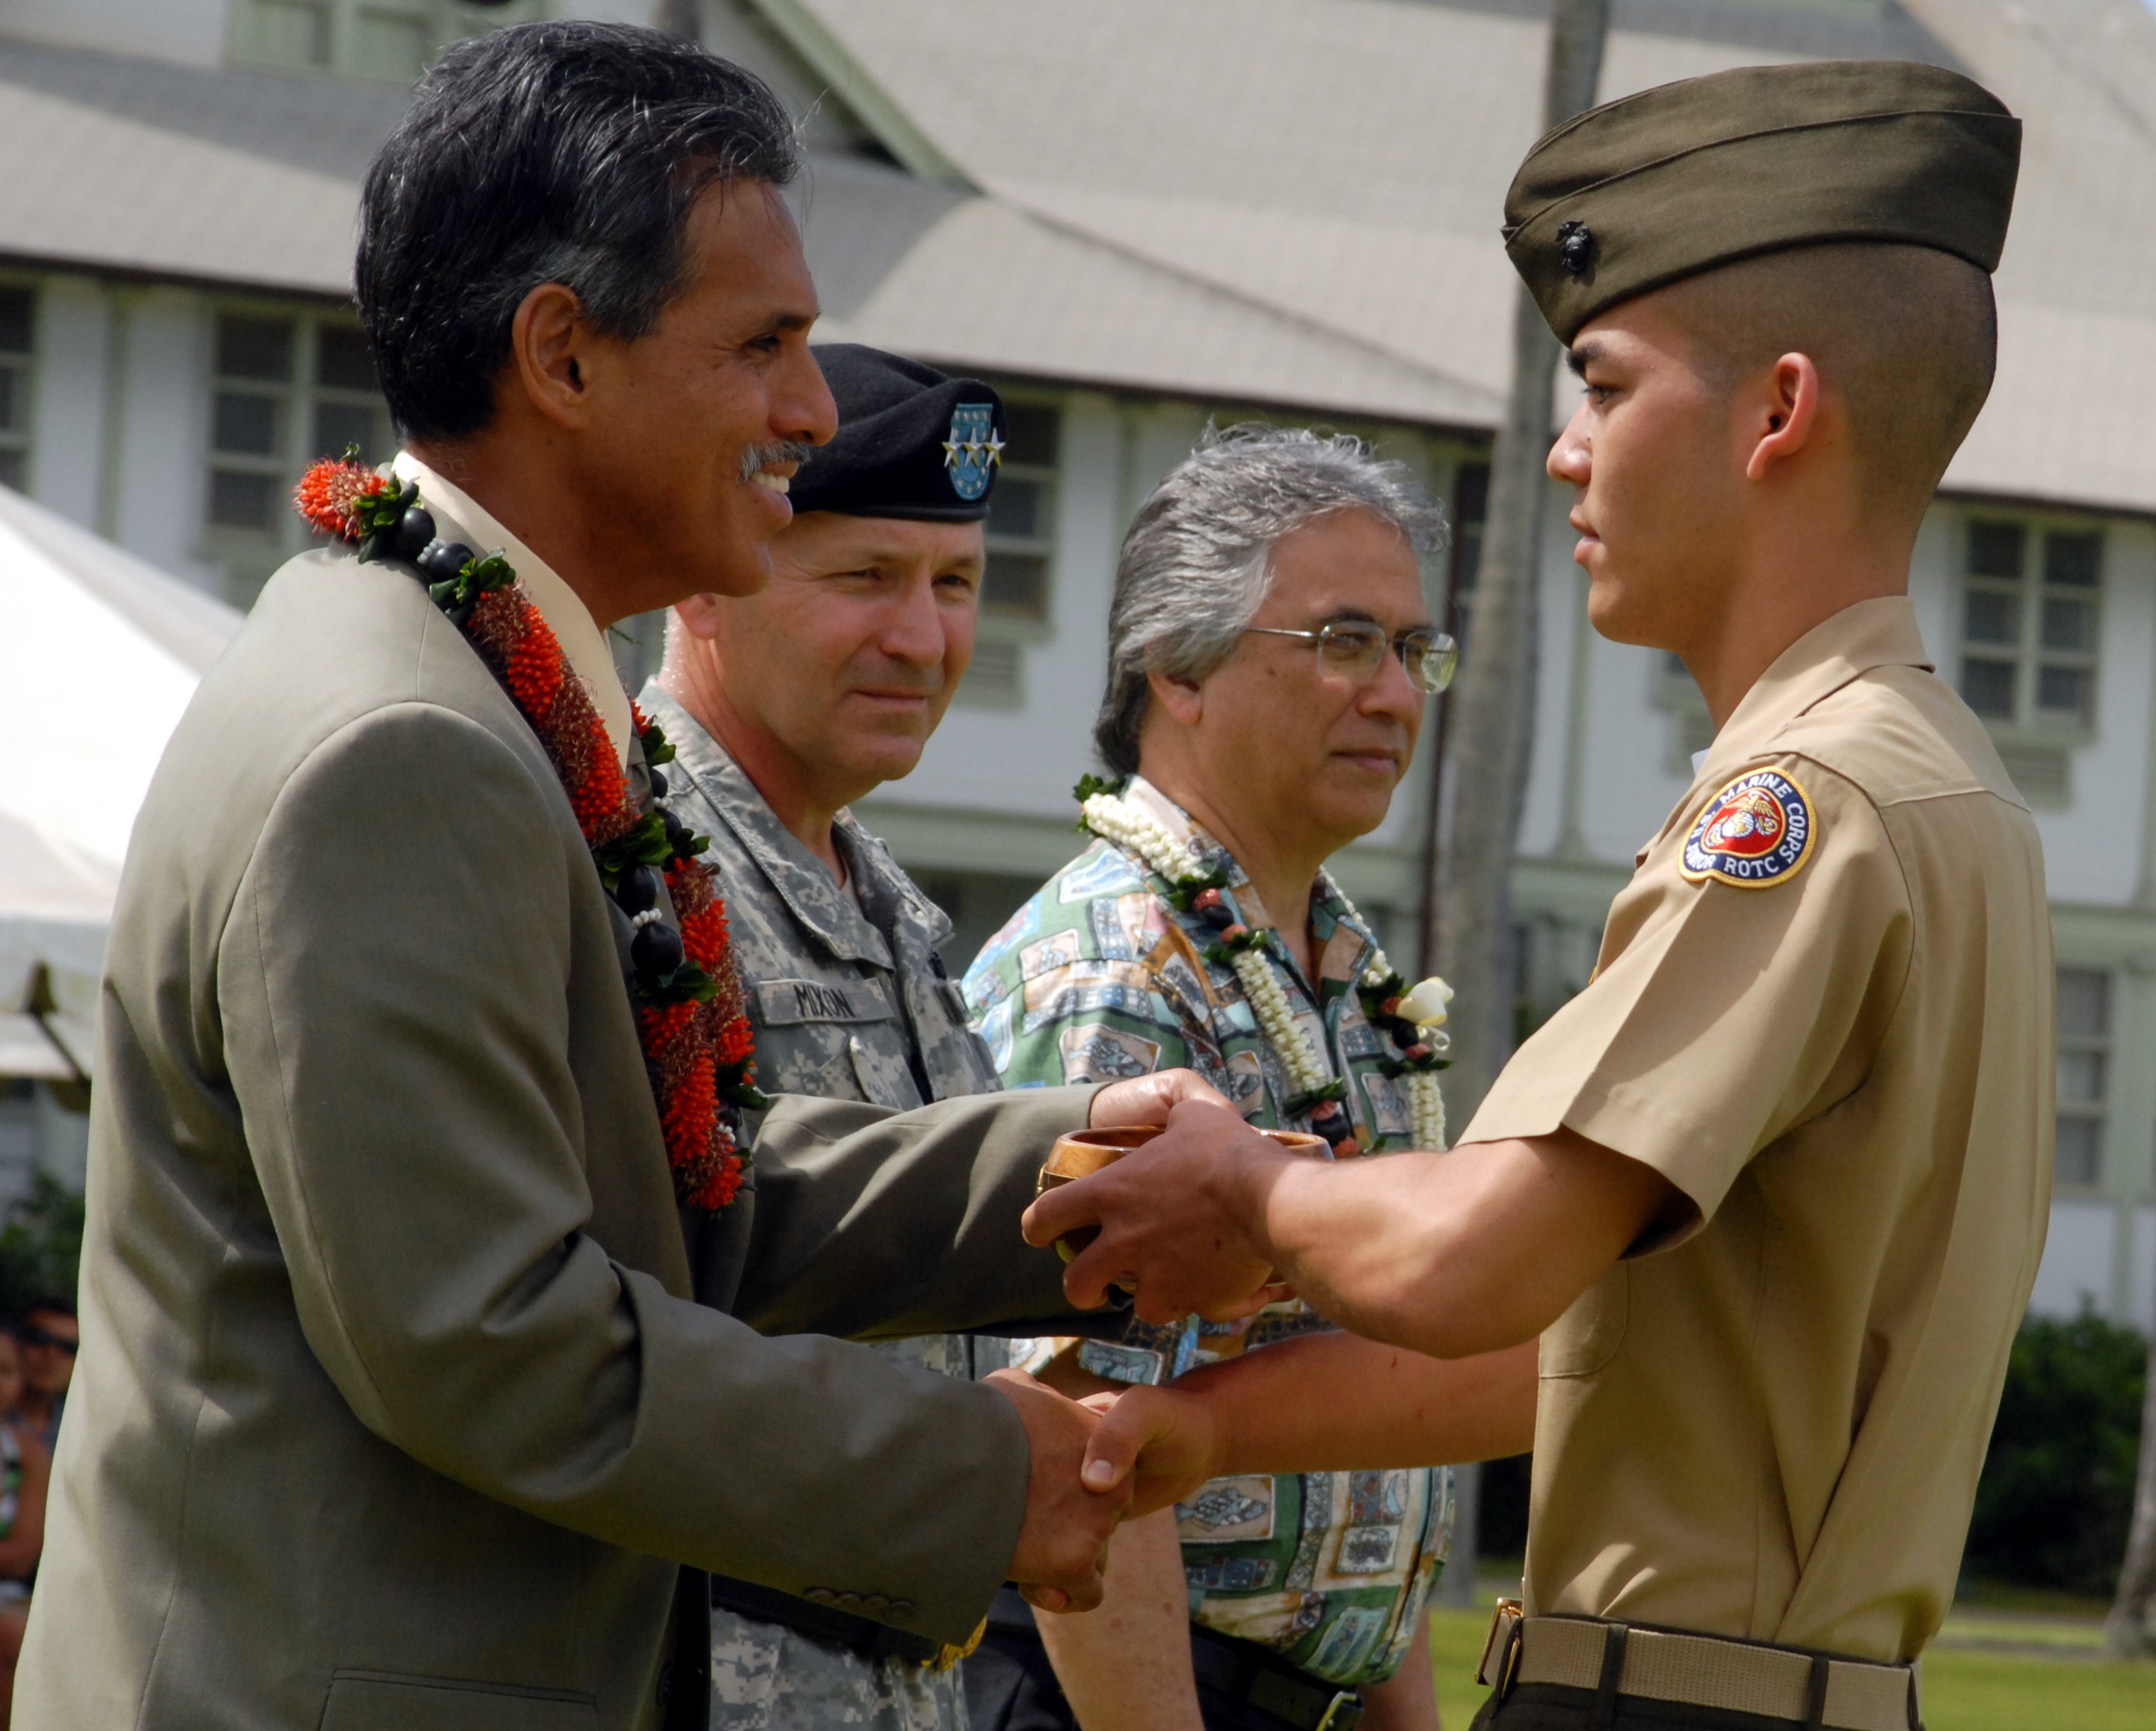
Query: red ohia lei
[697,1047]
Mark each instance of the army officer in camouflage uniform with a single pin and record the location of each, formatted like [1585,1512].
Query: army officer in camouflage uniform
[784,706]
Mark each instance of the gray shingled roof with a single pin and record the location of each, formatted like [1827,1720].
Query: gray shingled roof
[1289,201]
[135,165]
[1341,164]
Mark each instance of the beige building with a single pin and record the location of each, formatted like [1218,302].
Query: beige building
[1135,216]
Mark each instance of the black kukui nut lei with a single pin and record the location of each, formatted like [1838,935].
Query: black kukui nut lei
[413,534]
[442,561]
[656,950]
[638,890]
[658,782]
[1329,1120]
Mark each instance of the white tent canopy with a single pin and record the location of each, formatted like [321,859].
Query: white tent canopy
[99,655]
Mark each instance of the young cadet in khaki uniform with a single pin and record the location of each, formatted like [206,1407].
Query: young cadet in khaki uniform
[783,708]
[1772,1189]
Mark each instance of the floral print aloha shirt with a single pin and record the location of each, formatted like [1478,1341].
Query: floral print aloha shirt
[1100,977]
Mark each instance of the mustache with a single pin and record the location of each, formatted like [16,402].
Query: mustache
[770,456]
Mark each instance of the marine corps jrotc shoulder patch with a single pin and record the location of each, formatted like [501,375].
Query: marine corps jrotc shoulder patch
[1756,831]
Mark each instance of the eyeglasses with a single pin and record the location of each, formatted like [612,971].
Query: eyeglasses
[1355,647]
[45,1337]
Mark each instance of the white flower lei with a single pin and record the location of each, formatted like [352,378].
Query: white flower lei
[1425,1099]
[1116,819]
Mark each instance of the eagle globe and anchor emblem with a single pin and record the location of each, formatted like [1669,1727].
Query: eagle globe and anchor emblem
[1756,831]
[972,452]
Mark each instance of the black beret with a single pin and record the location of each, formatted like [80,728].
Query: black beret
[1677,180]
[911,442]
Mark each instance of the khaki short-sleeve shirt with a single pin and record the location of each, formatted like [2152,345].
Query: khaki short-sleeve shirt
[1823,1010]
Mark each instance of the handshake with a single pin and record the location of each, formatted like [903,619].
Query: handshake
[1440,1270]
[1114,1456]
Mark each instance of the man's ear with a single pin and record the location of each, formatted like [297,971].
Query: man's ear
[1787,417]
[549,345]
[1183,700]
[699,615]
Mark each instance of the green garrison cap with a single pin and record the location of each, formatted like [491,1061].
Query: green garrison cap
[1675,181]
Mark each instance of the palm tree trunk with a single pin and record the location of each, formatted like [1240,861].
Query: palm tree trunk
[1491,725]
[678,17]
[2128,1631]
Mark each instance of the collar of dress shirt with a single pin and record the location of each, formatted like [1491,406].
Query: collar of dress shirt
[1348,942]
[1879,632]
[583,644]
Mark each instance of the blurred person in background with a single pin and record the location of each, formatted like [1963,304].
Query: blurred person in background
[25,1464]
[48,1339]
[783,708]
[1270,648]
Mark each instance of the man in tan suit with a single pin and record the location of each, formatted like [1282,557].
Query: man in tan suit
[395,1407]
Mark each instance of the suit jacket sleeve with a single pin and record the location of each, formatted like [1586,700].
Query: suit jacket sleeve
[393,985]
[876,1224]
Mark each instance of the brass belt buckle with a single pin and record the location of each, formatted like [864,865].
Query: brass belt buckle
[1500,1652]
[1343,1713]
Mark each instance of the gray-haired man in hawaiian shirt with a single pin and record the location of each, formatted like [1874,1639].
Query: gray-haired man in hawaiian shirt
[1271,651]
[783,708]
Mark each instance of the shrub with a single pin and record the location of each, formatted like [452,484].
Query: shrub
[2057,1491]
[40,1246]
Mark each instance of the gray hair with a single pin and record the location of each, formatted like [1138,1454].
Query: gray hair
[1198,560]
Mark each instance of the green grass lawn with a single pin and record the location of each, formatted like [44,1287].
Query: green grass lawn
[1455,1648]
[1963,1690]
[2010,1692]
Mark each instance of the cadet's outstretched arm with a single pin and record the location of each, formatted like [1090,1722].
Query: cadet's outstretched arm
[1448,1254]
[1325,1403]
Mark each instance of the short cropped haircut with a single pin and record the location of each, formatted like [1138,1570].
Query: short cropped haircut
[1908,335]
[568,152]
[1197,562]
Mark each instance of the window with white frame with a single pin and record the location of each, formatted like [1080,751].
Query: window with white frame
[2084,1069]
[391,40]
[286,387]
[1018,587]
[19,324]
[2029,614]
[1021,526]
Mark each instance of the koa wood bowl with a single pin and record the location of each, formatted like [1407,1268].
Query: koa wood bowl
[1083,1153]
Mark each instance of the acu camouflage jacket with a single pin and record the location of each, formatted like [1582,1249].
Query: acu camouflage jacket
[846,992]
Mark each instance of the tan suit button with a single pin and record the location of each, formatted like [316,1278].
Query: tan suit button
[876,1605]
[901,1609]
[818,1596]
[848,1601]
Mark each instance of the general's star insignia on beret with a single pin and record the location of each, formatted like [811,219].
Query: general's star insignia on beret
[972,452]
[1757,831]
